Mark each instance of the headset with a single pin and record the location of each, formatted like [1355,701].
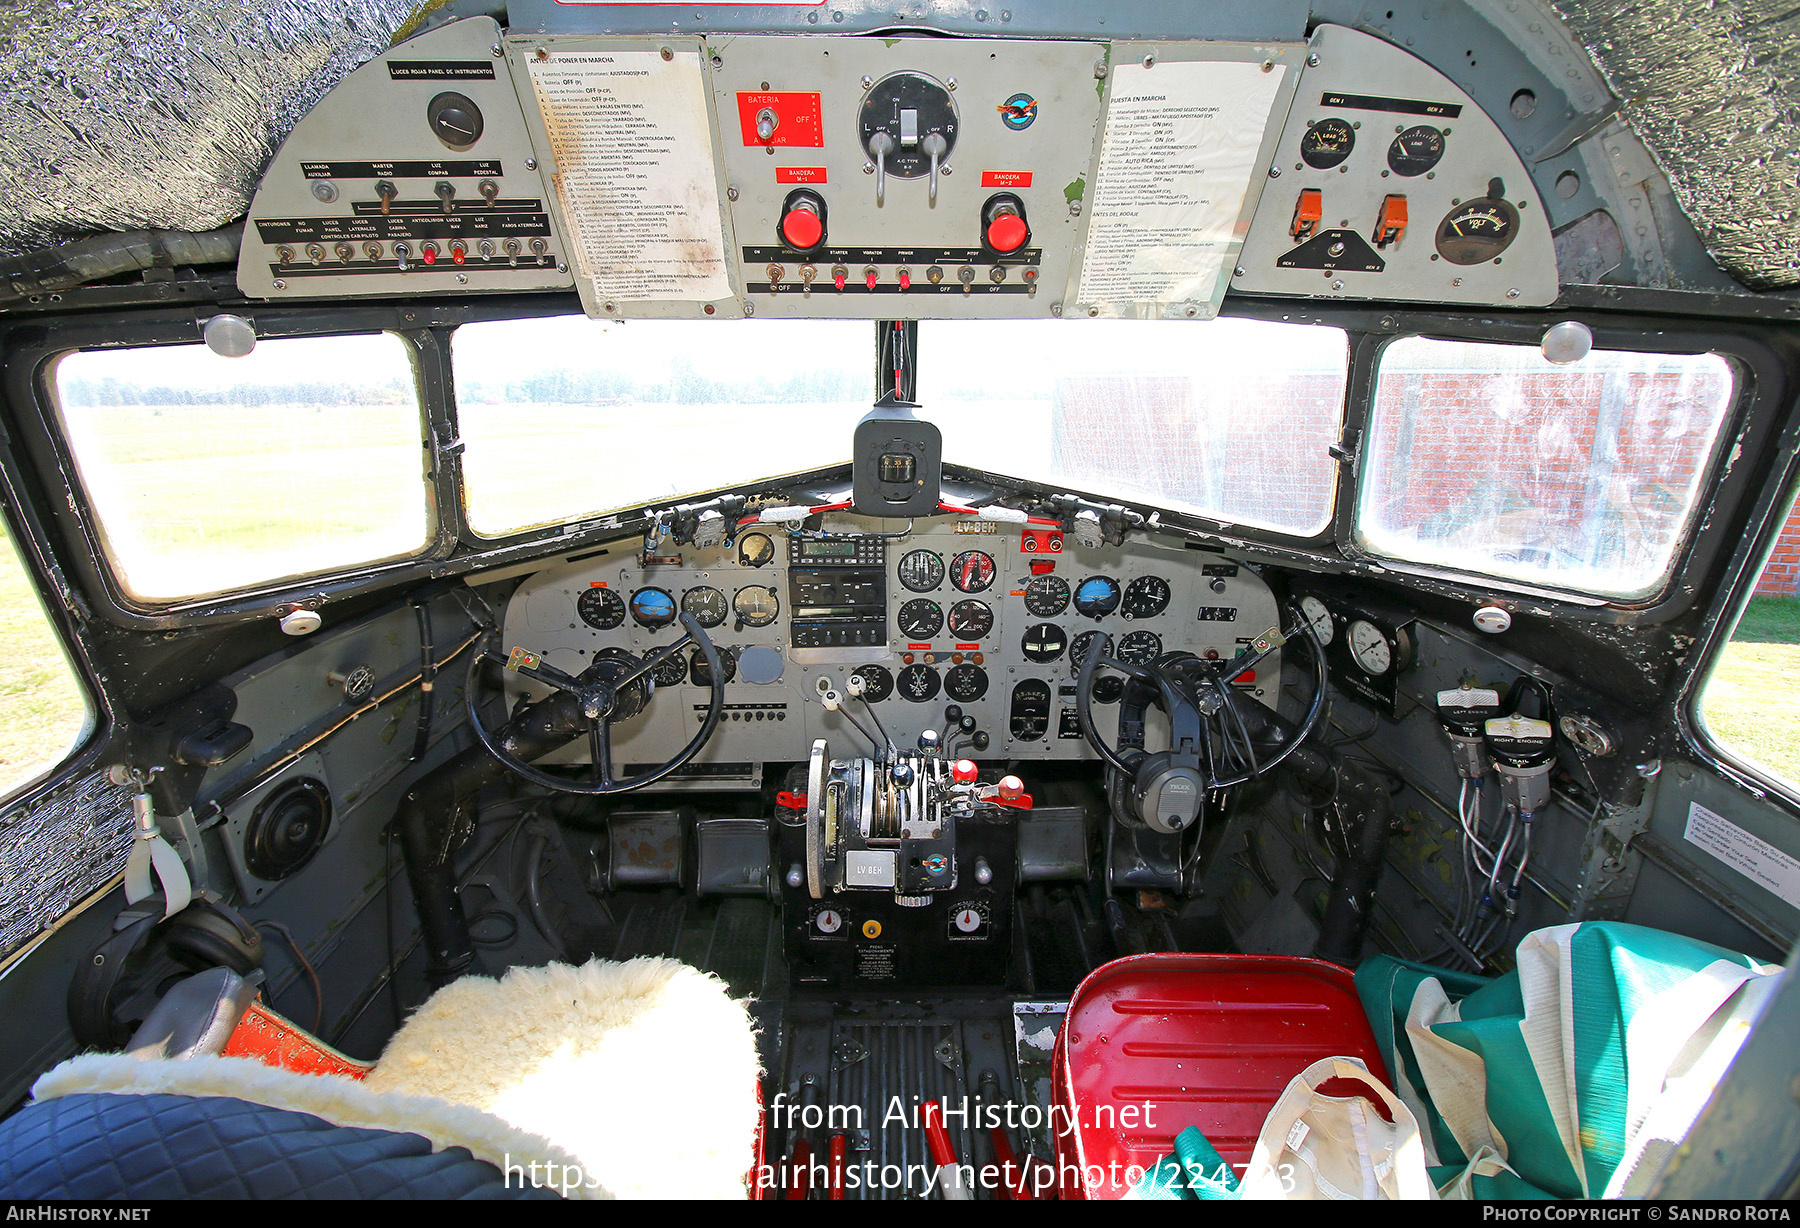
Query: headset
[205,934]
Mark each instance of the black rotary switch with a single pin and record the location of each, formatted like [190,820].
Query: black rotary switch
[455,120]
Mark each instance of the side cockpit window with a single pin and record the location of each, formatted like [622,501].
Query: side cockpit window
[1583,476]
[209,475]
[44,708]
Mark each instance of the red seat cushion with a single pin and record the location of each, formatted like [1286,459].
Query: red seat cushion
[1208,1040]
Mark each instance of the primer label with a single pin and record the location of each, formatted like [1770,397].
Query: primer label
[1756,859]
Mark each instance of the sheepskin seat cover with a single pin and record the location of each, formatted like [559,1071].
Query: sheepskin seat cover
[645,1071]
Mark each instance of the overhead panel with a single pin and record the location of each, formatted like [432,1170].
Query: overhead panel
[414,175]
[1389,182]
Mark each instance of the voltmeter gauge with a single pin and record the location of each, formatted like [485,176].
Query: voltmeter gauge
[706,604]
[1046,596]
[1146,597]
[756,606]
[922,570]
[970,620]
[1315,613]
[1477,231]
[1415,151]
[972,571]
[755,549]
[920,619]
[1097,596]
[600,608]
[652,607]
[1327,143]
[1369,648]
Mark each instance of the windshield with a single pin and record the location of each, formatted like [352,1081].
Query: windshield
[568,417]
[1227,419]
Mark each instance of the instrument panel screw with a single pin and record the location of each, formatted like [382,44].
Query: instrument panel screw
[950,83]
[1274,172]
[1092,312]
[1513,293]
[531,164]
[561,267]
[280,284]
[667,54]
[1312,61]
[1074,208]
[541,54]
[1149,61]
[1238,272]
[1099,70]
[731,193]
[494,51]
[868,81]
[1056,310]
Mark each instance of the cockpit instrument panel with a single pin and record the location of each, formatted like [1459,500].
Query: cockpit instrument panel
[939,618]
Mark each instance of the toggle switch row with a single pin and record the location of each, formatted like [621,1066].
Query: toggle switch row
[407,255]
[1309,210]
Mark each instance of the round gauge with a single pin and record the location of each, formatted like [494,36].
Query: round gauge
[828,921]
[653,607]
[972,571]
[755,549]
[600,608]
[1140,647]
[878,684]
[1078,651]
[1046,596]
[1369,648]
[701,675]
[1477,231]
[1327,143]
[920,619]
[965,683]
[706,604]
[1108,688]
[1096,596]
[1415,151]
[672,670]
[922,570]
[1043,642]
[970,620]
[1315,613]
[917,683]
[756,606]
[1146,597]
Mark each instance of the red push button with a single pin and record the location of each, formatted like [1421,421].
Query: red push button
[1006,233]
[802,228]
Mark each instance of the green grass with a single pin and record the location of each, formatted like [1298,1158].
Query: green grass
[41,707]
[1752,702]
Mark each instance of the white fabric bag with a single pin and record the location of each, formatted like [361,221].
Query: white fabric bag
[1315,1146]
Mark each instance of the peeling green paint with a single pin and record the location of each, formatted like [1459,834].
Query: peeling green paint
[892,42]
[1073,192]
[1106,63]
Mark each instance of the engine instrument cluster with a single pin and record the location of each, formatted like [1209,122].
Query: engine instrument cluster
[968,634]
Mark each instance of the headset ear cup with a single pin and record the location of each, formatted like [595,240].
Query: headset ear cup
[207,935]
[100,973]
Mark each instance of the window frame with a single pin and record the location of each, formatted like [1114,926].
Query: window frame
[1724,475]
[30,386]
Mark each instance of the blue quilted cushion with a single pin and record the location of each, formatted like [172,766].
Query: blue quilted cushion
[159,1146]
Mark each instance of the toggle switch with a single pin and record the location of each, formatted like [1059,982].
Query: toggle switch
[1390,222]
[905,279]
[766,123]
[428,253]
[385,189]
[871,277]
[459,251]
[490,191]
[446,193]
[839,275]
[1307,212]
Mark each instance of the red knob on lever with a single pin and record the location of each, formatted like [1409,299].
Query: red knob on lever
[1011,787]
[964,771]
